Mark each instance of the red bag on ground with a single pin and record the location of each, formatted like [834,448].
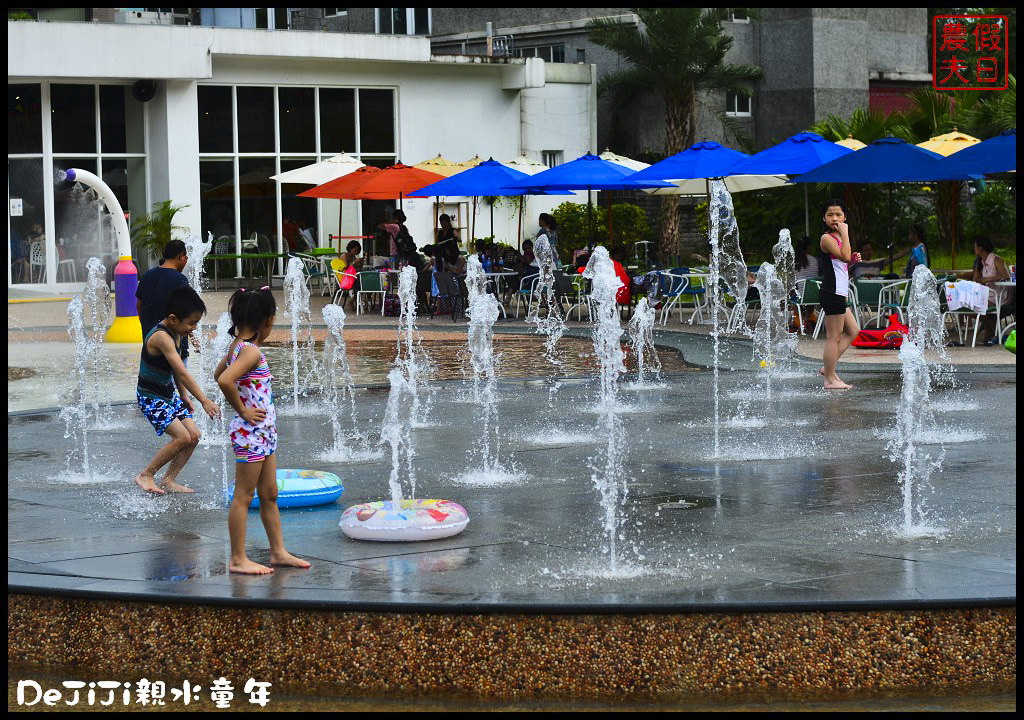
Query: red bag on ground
[891,337]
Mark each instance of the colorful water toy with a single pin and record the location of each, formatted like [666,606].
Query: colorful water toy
[300,488]
[415,520]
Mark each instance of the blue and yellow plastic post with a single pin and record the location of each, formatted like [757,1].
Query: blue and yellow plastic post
[126,327]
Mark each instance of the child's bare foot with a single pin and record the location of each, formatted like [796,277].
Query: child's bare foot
[175,487]
[288,560]
[836,384]
[147,483]
[822,371]
[248,567]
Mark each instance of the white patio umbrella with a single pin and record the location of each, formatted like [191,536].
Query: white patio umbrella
[320,172]
[628,163]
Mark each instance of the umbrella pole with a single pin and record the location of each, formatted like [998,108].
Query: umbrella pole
[609,218]
[492,220]
[341,209]
[889,224]
[590,222]
[807,212]
[437,201]
[953,233]
[472,227]
[519,230]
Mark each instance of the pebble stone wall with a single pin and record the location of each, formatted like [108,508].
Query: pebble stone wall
[641,657]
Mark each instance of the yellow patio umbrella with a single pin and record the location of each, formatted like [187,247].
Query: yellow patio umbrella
[444,167]
[849,142]
[946,145]
[949,143]
[472,162]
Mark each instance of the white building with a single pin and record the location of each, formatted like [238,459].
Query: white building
[231,107]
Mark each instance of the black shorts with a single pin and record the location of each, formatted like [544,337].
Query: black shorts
[832,304]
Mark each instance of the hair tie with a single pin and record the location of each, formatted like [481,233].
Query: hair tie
[265,287]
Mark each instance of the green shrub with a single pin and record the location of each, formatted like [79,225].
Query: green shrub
[576,227]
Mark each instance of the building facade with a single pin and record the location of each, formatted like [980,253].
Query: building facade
[203,116]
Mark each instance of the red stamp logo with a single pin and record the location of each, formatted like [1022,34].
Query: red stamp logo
[970,52]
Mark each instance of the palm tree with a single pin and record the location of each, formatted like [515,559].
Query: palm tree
[678,54]
[151,233]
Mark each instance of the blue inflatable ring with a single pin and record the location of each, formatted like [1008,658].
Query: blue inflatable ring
[301,488]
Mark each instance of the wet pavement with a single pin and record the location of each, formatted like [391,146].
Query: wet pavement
[801,510]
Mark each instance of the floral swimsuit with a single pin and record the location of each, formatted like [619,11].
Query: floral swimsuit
[254,443]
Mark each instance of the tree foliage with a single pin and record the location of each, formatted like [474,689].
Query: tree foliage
[151,233]
[576,227]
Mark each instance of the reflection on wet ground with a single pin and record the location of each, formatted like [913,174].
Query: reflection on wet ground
[516,356]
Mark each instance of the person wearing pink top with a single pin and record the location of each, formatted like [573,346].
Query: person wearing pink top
[841,326]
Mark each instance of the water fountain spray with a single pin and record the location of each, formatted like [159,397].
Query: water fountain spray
[202,368]
[338,390]
[915,412]
[126,327]
[552,325]
[785,262]
[75,413]
[641,341]
[218,348]
[483,313]
[610,480]
[774,344]
[296,307]
[411,358]
[96,308]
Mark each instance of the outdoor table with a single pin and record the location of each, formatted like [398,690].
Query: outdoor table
[689,277]
[999,304]
[497,276]
[269,257]
[890,292]
[317,252]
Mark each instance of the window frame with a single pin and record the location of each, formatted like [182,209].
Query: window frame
[277,155]
[729,95]
[410,22]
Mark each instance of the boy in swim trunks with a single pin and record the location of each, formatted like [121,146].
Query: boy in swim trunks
[161,374]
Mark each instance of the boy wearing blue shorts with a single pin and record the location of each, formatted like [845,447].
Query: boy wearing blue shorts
[161,373]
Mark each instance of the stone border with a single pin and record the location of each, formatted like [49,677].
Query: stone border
[610,658]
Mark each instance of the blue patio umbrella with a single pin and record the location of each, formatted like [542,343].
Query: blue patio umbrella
[888,160]
[995,155]
[794,155]
[487,178]
[700,161]
[587,172]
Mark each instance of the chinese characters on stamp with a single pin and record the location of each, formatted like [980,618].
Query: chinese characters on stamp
[970,52]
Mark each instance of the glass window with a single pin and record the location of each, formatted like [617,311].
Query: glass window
[255,119]
[421,16]
[121,123]
[258,201]
[558,53]
[552,157]
[73,117]
[282,19]
[81,224]
[261,18]
[298,129]
[215,119]
[337,120]
[376,121]
[127,179]
[298,214]
[24,119]
[737,105]
[25,182]
[217,203]
[331,12]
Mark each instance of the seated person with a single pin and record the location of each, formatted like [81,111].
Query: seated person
[989,269]
[528,266]
[805,264]
[646,284]
[446,255]
[868,267]
[918,250]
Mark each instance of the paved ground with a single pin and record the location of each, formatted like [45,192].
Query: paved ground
[801,508]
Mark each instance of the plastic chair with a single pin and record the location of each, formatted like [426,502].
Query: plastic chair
[448,289]
[582,299]
[808,295]
[37,259]
[370,283]
[527,293]
[869,296]
[66,265]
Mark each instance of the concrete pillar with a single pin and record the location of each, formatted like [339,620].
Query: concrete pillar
[174,149]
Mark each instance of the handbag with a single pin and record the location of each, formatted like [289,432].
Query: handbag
[348,278]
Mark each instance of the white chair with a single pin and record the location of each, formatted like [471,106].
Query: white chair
[37,259]
[67,266]
[529,294]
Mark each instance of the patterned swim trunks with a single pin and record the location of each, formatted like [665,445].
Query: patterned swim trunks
[160,413]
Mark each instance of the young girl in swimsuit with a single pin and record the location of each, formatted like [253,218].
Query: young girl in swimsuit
[840,325]
[244,377]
